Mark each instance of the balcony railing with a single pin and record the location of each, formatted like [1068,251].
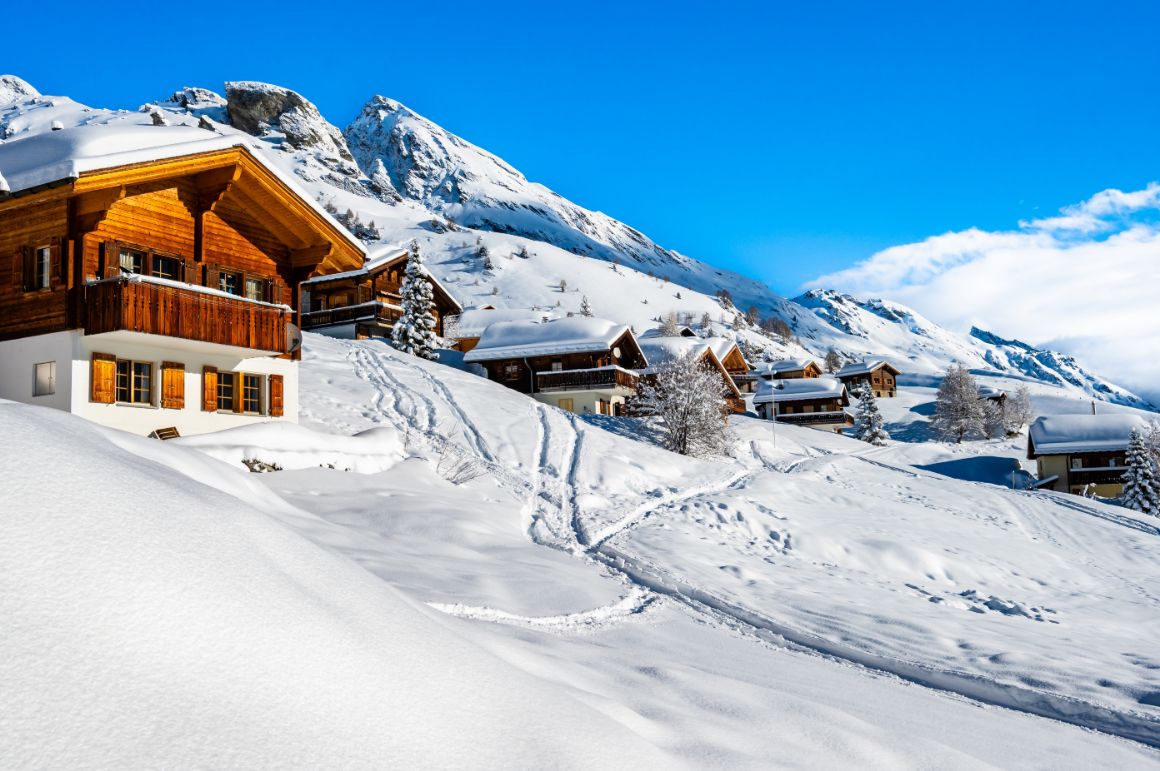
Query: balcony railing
[815,417]
[157,307]
[1097,476]
[347,314]
[587,379]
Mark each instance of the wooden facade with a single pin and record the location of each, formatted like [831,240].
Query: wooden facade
[810,369]
[219,220]
[881,377]
[370,300]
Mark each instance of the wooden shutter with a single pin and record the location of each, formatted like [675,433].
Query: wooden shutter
[239,386]
[209,387]
[58,270]
[112,258]
[173,385]
[28,268]
[211,276]
[103,378]
[276,407]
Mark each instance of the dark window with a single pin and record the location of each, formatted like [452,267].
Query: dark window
[134,382]
[167,267]
[43,267]
[45,382]
[228,282]
[255,289]
[132,260]
[225,390]
[251,393]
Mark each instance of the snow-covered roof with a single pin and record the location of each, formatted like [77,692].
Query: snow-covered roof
[722,346]
[659,350]
[863,368]
[789,365]
[1063,434]
[378,260]
[990,392]
[474,321]
[799,389]
[519,339]
[55,156]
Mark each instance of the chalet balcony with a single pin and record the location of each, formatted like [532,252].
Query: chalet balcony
[587,379]
[169,309]
[1108,475]
[814,418]
[367,312]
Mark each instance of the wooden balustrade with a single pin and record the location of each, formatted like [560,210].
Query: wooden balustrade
[347,314]
[158,309]
[585,379]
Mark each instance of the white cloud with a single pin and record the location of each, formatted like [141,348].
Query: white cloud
[1086,283]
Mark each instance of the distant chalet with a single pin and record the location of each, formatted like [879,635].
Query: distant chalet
[152,278]
[817,402]
[881,377]
[660,350]
[1081,454]
[788,369]
[580,364]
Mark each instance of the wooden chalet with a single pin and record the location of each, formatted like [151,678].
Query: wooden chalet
[880,376]
[788,369]
[660,350]
[366,302]
[1082,454]
[580,364]
[731,358]
[149,276]
[466,327]
[815,402]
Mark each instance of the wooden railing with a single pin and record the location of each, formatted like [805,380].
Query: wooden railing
[815,417]
[368,311]
[1096,476]
[586,379]
[134,305]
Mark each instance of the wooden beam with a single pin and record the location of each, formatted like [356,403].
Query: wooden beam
[309,256]
[280,222]
[86,211]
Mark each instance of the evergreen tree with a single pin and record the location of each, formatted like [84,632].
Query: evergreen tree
[958,412]
[869,425]
[414,332]
[1141,480]
[585,306]
[686,398]
[706,320]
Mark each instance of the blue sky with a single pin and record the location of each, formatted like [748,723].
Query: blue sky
[787,142]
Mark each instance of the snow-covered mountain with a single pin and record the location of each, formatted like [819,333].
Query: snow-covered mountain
[493,236]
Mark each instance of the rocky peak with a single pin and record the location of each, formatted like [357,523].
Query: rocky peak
[13,88]
[261,108]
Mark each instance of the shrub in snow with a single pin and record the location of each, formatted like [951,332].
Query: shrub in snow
[260,466]
[869,425]
[686,399]
[456,466]
[585,306]
[414,332]
[1141,480]
[958,411]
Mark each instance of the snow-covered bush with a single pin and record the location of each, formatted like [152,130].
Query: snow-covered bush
[869,425]
[959,413]
[686,399]
[1141,480]
[414,332]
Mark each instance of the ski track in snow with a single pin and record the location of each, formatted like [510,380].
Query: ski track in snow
[651,582]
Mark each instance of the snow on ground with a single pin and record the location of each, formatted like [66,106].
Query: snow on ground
[586,599]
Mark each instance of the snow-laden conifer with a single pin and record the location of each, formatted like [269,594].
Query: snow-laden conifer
[414,332]
[686,399]
[585,306]
[1141,480]
[869,424]
[959,413]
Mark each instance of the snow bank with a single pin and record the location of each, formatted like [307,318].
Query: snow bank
[294,447]
[150,621]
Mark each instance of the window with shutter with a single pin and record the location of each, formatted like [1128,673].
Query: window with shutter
[103,378]
[209,389]
[276,405]
[173,385]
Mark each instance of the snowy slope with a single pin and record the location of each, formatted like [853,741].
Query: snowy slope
[414,181]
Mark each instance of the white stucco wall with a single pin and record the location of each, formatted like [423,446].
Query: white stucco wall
[73,351]
[583,402]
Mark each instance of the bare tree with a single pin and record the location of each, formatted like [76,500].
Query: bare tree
[833,361]
[563,285]
[686,400]
[670,327]
[958,411]
[1019,411]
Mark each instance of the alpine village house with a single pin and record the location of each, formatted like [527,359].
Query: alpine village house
[150,276]
[1082,454]
[880,376]
[580,364]
[817,402]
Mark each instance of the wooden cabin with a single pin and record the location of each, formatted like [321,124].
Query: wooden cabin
[731,358]
[366,302]
[1082,454]
[579,364]
[661,350]
[788,369]
[815,402]
[149,277]
[880,376]
[467,327]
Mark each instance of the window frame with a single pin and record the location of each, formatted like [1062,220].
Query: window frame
[130,387]
[149,257]
[36,387]
[234,382]
[258,388]
[42,271]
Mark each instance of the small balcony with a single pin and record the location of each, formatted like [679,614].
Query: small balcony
[597,378]
[816,418]
[375,311]
[1107,475]
[169,309]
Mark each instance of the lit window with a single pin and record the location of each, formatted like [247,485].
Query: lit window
[225,390]
[132,261]
[252,393]
[228,282]
[43,267]
[134,382]
[45,384]
[255,289]
[167,267]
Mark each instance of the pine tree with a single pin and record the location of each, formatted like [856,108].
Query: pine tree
[686,398]
[585,306]
[706,320]
[958,411]
[414,332]
[1142,479]
[869,425]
